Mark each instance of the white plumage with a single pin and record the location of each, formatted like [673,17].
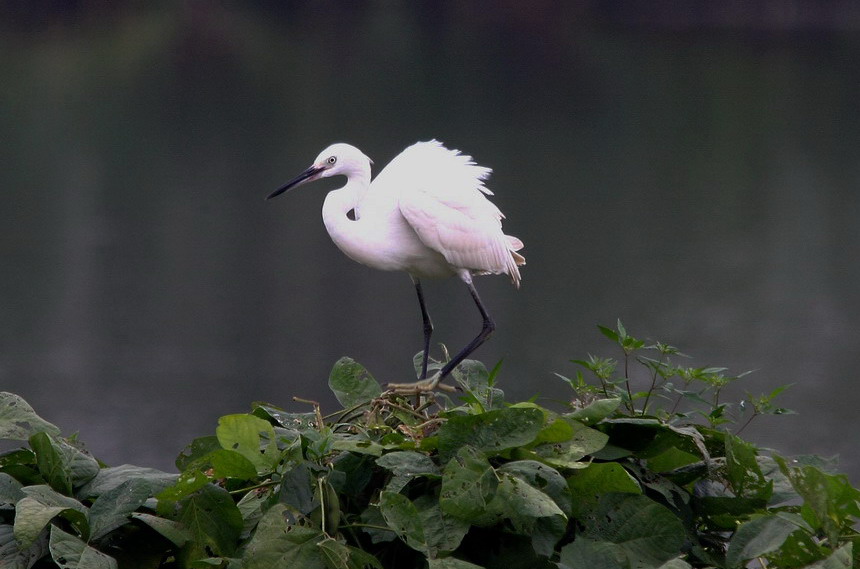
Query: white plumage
[427,214]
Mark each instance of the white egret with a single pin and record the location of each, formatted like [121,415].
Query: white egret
[427,214]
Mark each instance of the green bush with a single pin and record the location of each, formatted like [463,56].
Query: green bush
[616,478]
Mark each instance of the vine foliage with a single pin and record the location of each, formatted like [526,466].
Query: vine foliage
[642,468]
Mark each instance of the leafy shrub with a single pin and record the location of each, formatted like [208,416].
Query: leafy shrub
[616,478]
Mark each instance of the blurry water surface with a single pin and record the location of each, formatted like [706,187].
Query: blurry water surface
[694,174]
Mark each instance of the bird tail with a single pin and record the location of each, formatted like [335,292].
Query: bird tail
[516,260]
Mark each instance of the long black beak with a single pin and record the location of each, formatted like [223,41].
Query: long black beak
[303,177]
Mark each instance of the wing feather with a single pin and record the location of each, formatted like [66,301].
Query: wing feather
[442,196]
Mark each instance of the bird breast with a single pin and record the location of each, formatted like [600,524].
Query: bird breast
[381,238]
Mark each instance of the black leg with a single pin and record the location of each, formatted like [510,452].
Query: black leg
[428,327]
[486,330]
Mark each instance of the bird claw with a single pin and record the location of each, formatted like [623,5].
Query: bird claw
[423,386]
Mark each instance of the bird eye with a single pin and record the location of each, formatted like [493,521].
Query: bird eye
[331,160]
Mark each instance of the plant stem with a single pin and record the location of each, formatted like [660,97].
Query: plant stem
[744,426]
[627,383]
[255,487]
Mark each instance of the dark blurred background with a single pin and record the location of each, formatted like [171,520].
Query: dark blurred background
[689,167]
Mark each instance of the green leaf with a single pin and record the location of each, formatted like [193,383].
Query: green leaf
[406,466]
[18,421]
[492,432]
[609,333]
[675,564]
[231,464]
[647,533]
[743,470]
[374,522]
[213,520]
[250,436]
[842,558]
[593,554]
[70,552]
[39,507]
[188,483]
[297,489]
[14,557]
[567,454]
[61,464]
[760,536]
[451,563]
[442,533]
[588,485]
[277,544]
[195,450]
[543,478]
[401,515]
[252,506]
[10,490]
[109,478]
[292,422]
[352,384]
[422,524]
[173,531]
[522,503]
[596,411]
[468,484]
[830,499]
[113,508]
[341,556]
[357,444]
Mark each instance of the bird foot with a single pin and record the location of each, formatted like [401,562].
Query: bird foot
[423,386]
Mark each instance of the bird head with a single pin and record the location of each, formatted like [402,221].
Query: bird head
[338,159]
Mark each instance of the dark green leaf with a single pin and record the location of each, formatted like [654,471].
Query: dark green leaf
[422,524]
[468,484]
[14,556]
[277,544]
[297,489]
[293,422]
[593,554]
[596,411]
[492,432]
[451,563]
[39,507]
[197,449]
[340,556]
[588,485]
[352,384]
[405,466]
[842,558]
[568,454]
[374,521]
[10,490]
[109,478]
[543,478]
[173,531]
[113,508]
[609,333]
[252,506]
[61,464]
[213,521]
[70,552]
[442,533]
[743,471]
[402,517]
[760,536]
[18,421]
[648,534]
[831,499]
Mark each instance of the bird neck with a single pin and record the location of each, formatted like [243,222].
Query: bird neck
[338,203]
